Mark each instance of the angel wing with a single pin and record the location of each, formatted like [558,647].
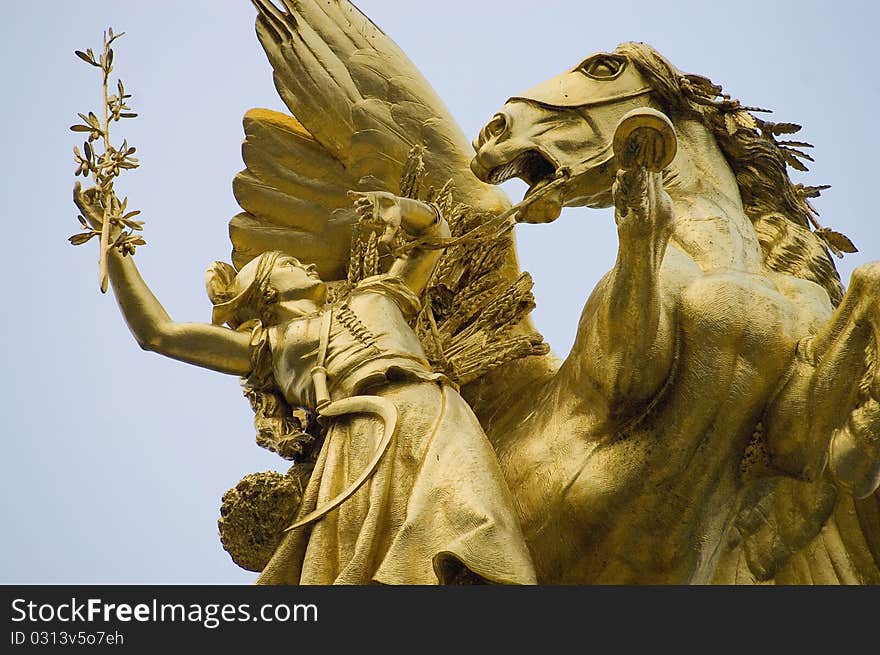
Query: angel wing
[359,106]
[796,532]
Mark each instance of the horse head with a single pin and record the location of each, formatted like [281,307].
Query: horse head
[563,127]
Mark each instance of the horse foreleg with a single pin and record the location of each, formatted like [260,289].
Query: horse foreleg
[829,404]
[616,353]
[624,349]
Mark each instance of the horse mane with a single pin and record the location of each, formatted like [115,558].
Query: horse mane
[779,209]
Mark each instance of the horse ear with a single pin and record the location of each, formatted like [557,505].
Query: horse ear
[218,282]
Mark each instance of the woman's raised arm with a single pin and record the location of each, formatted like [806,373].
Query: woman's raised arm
[417,218]
[209,346]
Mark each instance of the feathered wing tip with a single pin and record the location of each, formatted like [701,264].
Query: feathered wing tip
[844,550]
[360,107]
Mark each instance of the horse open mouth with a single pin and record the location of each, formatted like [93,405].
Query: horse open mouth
[536,170]
[530,166]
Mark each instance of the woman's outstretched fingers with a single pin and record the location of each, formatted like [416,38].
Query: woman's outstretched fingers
[86,202]
[363,206]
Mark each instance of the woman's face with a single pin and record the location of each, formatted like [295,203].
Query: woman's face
[295,281]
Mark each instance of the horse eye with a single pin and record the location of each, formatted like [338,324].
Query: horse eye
[602,67]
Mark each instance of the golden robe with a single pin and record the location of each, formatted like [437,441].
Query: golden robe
[437,504]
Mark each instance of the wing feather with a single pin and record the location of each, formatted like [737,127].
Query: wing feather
[360,106]
[294,194]
[867,513]
[256,237]
[846,550]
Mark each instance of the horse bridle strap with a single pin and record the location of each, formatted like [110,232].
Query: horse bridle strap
[577,104]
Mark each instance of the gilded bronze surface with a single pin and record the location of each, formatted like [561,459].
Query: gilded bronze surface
[717,420]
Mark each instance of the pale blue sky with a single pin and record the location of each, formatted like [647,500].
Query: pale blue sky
[114,460]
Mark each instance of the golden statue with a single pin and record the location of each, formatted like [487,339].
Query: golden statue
[717,420]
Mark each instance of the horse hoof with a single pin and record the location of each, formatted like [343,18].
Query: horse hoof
[645,137]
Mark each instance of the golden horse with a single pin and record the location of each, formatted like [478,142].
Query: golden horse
[717,419]
[722,389]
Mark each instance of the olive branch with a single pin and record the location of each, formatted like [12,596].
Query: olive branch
[104,167]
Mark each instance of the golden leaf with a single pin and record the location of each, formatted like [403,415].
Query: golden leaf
[81,237]
[838,242]
[812,191]
[792,161]
[86,58]
[796,144]
[746,120]
[782,128]
[797,153]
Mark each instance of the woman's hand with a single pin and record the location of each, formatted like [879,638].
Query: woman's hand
[416,265]
[383,209]
[379,209]
[91,209]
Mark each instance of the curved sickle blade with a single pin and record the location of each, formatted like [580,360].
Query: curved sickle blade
[356,405]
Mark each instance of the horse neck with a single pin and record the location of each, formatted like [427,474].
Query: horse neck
[710,224]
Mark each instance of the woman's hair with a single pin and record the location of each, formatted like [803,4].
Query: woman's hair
[778,208]
[242,296]
[244,301]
